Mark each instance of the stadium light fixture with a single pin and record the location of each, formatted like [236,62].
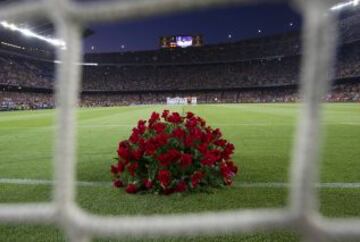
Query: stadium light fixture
[80,63]
[342,5]
[28,33]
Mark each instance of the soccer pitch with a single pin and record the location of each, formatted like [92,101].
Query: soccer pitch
[263,135]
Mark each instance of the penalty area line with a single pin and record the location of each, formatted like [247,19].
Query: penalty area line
[338,185]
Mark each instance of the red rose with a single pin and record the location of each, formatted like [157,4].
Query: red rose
[154,117]
[165,114]
[225,170]
[201,121]
[206,137]
[191,123]
[232,166]
[148,183]
[196,178]
[161,139]
[141,126]
[114,170]
[228,150]
[170,156]
[188,142]
[178,133]
[174,118]
[120,167]
[216,133]
[159,127]
[118,183]
[189,115]
[132,168]
[220,142]
[124,150]
[164,159]
[203,147]
[211,157]
[228,170]
[208,129]
[131,188]
[174,155]
[150,147]
[181,186]
[137,154]
[164,177]
[135,136]
[141,143]
[196,133]
[186,160]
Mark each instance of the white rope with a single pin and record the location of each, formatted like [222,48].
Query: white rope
[302,215]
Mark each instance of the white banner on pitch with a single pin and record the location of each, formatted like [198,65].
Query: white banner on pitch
[181,100]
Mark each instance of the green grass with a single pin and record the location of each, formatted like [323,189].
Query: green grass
[262,133]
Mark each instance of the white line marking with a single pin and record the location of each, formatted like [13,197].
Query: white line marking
[218,124]
[350,123]
[340,185]
[44,128]
[212,124]
[287,185]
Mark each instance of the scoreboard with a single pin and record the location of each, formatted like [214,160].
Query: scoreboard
[181,41]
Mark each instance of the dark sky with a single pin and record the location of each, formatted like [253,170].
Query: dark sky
[214,24]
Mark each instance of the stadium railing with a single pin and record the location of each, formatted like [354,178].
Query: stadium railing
[301,215]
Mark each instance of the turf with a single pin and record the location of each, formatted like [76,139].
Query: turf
[263,135]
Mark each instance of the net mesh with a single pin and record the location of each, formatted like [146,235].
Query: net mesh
[301,215]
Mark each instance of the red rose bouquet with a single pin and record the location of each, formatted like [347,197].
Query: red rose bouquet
[173,153]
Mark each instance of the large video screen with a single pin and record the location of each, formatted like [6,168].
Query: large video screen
[181,41]
[184,41]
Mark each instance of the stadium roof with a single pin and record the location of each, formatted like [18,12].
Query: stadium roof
[41,27]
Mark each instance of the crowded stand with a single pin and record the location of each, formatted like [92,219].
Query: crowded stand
[25,100]
[349,27]
[347,92]
[19,71]
[253,73]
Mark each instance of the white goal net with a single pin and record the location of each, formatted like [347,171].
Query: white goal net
[301,215]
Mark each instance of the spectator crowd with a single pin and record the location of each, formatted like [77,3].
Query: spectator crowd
[262,70]
[349,92]
[269,71]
